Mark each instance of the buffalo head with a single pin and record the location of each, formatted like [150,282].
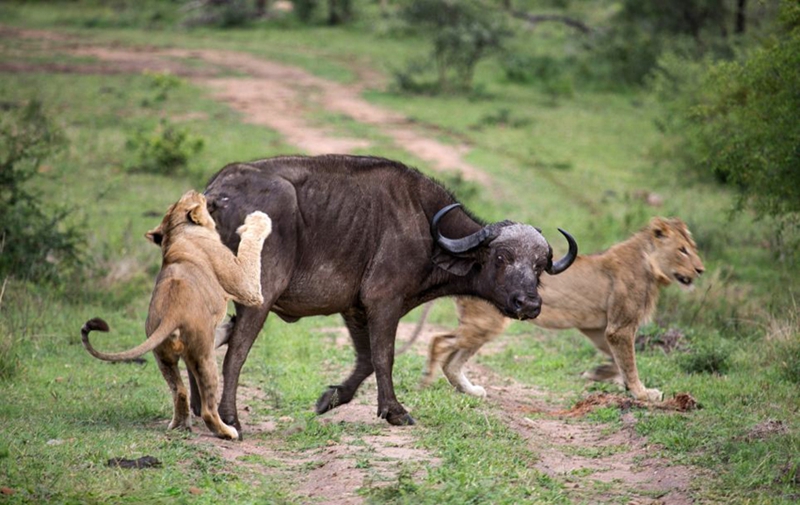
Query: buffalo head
[506,260]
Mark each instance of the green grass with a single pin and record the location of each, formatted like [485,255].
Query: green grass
[573,162]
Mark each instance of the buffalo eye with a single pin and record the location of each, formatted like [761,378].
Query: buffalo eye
[503,258]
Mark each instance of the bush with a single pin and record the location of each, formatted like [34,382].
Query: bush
[738,121]
[166,150]
[545,71]
[35,241]
[789,364]
[708,356]
[463,32]
[221,13]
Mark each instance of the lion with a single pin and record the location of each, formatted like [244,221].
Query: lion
[198,276]
[606,296]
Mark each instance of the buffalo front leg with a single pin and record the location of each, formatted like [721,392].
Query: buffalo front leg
[621,342]
[356,322]
[382,333]
[249,321]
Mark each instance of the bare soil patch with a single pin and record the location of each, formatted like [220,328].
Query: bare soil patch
[281,97]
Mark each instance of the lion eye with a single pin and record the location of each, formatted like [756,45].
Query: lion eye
[684,251]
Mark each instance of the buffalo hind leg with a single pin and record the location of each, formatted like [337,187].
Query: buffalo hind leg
[340,394]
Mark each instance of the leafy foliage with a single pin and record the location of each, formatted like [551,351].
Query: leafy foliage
[748,129]
[738,120]
[165,150]
[168,148]
[463,33]
[35,242]
[642,31]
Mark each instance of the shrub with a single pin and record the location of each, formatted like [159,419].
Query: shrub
[36,243]
[166,150]
[220,13]
[462,32]
[711,355]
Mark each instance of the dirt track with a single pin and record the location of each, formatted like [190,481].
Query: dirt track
[284,98]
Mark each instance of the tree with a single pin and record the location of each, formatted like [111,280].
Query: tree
[462,31]
[741,121]
[748,123]
[35,243]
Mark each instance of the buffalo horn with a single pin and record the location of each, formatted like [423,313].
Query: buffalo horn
[458,245]
[564,263]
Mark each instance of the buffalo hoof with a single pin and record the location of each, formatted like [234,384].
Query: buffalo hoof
[402,418]
[329,400]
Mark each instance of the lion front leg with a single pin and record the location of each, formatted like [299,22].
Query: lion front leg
[621,343]
[240,276]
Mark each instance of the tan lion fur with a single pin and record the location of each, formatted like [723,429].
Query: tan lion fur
[198,276]
[606,296]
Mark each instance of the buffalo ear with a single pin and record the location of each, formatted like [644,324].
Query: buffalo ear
[156,235]
[456,265]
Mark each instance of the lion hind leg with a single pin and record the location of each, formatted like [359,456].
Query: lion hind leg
[453,370]
[439,350]
[204,370]
[168,364]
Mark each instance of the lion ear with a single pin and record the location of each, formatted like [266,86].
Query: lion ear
[195,214]
[156,235]
[659,226]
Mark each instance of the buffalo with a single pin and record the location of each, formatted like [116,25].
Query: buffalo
[370,239]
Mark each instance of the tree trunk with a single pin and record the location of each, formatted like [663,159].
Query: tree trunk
[741,16]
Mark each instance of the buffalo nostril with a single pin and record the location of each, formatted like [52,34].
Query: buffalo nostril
[518,302]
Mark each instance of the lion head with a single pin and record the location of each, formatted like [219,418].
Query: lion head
[674,256]
[189,210]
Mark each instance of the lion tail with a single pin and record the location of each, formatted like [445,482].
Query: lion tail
[154,340]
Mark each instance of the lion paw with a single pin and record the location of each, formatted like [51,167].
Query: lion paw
[650,395]
[654,395]
[256,223]
[476,391]
[228,433]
